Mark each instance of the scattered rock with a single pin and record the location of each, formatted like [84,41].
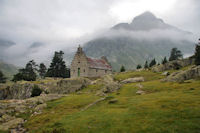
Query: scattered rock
[139,85]
[133,80]
[113,101]
[41,107]
[140,92]
[91,104]
[165,73]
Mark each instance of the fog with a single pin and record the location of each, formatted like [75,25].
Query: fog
[64,24]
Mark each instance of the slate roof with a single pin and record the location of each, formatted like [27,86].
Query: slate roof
[98,64]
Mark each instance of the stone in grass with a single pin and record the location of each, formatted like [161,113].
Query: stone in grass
[133,80]
[165,73]
[140,92]
[113,101]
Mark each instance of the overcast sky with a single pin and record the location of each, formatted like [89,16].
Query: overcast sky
[66,23]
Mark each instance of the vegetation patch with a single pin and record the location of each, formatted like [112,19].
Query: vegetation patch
[165,107]
[36,91]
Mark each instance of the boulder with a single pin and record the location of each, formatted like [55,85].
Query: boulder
[173,65]
[191,73]
[113,101]
[140,92]
[165,73]
[133,80]
[108,84]
[41,107]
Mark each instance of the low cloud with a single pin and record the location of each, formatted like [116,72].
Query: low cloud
[63,25]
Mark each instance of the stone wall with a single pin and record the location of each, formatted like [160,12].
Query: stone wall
[98,72]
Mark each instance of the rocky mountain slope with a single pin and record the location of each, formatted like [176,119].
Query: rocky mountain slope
[146,37]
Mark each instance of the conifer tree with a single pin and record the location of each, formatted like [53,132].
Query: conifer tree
[42,70]
[146,66]
[152,63]
[122,69]
[139,66]
[58,67]
[28,73]
[2,78]
[164,61]
[175,54]
[197,54]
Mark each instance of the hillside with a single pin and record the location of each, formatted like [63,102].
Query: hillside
[146,37]
[163,99]
[165,107]
[8,69]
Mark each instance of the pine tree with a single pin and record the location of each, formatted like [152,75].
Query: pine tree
[58,67]
[42,70]
[175,54]
[152,63]
[139,66]
[122,69]
[146,66]
[164,61]
[2,78]
[28,73]
[197,54]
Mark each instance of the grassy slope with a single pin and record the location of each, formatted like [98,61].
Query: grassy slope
[167,107]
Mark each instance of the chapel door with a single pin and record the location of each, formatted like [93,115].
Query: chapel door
[78,72]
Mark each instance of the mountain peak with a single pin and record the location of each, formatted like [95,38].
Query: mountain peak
[145,16]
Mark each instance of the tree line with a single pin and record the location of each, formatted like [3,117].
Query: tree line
[32,70]
[58,68]
[175,54]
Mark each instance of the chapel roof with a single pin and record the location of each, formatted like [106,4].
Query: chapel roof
[99,64]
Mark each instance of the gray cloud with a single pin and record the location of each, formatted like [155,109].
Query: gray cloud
[63,24]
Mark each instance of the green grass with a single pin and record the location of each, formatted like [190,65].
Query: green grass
[148,75]
[165,108]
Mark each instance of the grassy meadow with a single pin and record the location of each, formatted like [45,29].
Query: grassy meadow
[165,108]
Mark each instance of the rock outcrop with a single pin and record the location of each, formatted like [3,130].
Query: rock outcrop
[133,80]
[173,65]
[58,86]
[11,111]
[191,73]
[66,86]
[108,85]
[16,91]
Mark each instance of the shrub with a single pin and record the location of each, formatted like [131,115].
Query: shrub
[139,66]
[36,91]
[122,69]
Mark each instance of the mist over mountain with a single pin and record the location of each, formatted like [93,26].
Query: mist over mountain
[8,69]
[4,44]
[145,22]
[145,38]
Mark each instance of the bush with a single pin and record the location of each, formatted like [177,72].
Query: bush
[139,66]
[122,69]
[36,91]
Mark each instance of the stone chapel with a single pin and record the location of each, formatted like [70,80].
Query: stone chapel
[83,66]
